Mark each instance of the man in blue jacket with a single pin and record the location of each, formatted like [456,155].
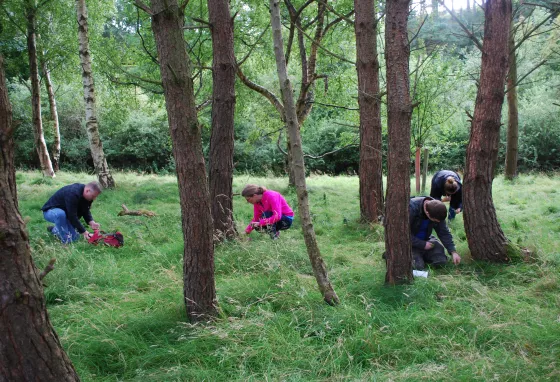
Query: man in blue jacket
[67,206]
[425,215]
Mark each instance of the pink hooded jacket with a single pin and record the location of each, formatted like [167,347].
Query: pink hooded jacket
[271,201]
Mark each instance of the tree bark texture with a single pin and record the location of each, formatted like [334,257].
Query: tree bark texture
[425,170]
[513,112]
[223,107]
[175,68]
[399,110]
[317,263]
[29,347]
[484,234]
[367,66]
[54,117]
[417,165]
[92,126]
[39,137]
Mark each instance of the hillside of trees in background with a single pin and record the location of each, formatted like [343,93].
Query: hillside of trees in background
[444,67]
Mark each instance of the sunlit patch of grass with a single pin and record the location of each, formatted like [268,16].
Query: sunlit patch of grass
[120,313]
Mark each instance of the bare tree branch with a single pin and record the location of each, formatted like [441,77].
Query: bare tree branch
[203,105]
[154,60]
[336,106]
[201,21]
[263,91]
[527,74]
[418,31]
[252,46]
[326,50]
[469,33]
[47,269]
[530,33]
[143,7]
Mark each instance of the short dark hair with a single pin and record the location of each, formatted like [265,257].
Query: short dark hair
[436,209]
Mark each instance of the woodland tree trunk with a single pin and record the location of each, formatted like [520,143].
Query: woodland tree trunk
[317,263]
[40,145]
[175,68]
[399,110]
[54,117]
[367,66]
[29,347]
[513,113]
[92,126]
[484,234]
[417,165]
[223,107]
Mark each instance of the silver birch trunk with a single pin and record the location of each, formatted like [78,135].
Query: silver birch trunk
[39,137]
[92,127]
[54,117]
[298,165]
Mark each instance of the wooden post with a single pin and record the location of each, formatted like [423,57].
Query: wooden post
[425,170]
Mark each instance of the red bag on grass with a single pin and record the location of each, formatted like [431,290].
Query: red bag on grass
[112,239]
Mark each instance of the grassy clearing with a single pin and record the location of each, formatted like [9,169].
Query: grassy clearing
[119,312]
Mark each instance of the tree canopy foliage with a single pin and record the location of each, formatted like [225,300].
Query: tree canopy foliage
[444,66]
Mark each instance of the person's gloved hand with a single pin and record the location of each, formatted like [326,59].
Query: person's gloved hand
[94,225]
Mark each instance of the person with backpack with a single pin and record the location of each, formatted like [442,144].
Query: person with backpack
[427,214]
[447,183]
[67,206]
[271,212]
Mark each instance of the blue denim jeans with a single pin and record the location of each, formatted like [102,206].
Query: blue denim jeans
[63,229]
[284,223]
[452,213]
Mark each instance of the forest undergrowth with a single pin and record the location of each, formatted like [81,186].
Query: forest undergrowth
[120,314]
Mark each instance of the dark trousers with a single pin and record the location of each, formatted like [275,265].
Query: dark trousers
[282,224]
[435,256]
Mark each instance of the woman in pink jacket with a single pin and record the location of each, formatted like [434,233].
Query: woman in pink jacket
[271,211]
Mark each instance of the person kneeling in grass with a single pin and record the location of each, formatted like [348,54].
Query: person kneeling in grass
[271,212]
[67,206]
[426,214]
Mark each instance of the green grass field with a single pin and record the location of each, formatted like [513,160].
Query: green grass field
[120,315]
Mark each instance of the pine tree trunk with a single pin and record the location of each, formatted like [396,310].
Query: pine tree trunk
[417,158]
[399,110]
[298,165]
[40,145]
[175,69]
[54,117]
[367,66]
[92,126]
[425,170]
[513,112]
[484,234]
[223,107]
[29,347]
